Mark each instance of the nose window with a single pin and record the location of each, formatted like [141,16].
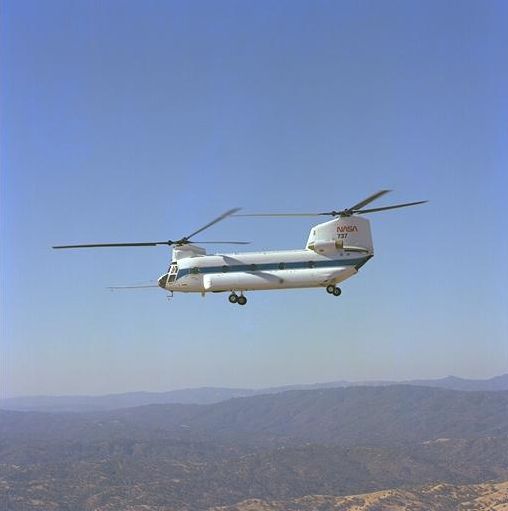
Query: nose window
[163,280]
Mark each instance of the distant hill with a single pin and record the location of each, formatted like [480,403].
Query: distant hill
[383,415]
[203,395]
[454,383]
[370,415]
[209,395]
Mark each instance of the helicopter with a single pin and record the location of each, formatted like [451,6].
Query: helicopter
[335,251]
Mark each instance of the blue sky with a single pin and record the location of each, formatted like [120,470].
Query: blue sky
[132,121]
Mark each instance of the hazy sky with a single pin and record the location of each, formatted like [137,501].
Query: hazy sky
[132,121]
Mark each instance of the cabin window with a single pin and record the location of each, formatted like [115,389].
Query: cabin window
[225,269]
[194,271]
[253,267]
[311,264]
[281,266]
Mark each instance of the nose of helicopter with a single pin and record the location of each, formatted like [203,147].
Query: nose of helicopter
[163,281]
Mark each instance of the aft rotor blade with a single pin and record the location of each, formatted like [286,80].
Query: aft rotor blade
[368,200]
[106,245]
[396,206]
[334,213]
[209,224]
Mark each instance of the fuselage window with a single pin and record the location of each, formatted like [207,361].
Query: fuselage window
[194,271]
[281,266]
[311,264]
[225,269]
[253,267]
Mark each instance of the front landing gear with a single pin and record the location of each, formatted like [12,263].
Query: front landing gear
[333,290]
[234,298]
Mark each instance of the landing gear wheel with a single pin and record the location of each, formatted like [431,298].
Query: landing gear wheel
[330,289]
[233,298]
[242,300]
[337,291]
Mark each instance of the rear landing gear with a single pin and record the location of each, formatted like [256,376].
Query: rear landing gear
[234,298]
[333,290]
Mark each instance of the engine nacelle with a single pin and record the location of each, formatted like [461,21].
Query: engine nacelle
[325,247]
[183,251]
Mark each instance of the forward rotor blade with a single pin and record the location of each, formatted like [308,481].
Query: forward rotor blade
[396,206]
[284,214]
[151,244]
[112,288]
[368,200]
[209,224]
[220,242]
[106,245]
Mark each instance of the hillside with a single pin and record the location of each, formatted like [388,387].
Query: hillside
[440,497]
[196,475]
[443,459]
[272,447]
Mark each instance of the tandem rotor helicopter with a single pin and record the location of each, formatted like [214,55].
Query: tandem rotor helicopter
[335,251]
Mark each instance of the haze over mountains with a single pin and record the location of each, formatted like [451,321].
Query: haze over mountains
[209,395]
[274,447]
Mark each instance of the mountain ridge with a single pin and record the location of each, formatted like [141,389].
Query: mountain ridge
[401,412]
[210,395]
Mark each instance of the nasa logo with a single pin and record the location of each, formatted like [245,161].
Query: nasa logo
[347,228]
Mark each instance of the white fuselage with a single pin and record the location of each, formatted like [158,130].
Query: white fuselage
[335,251]
[261,270]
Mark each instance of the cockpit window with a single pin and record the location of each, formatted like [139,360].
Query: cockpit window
[172,272]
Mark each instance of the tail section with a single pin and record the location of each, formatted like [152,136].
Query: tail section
[342,233]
